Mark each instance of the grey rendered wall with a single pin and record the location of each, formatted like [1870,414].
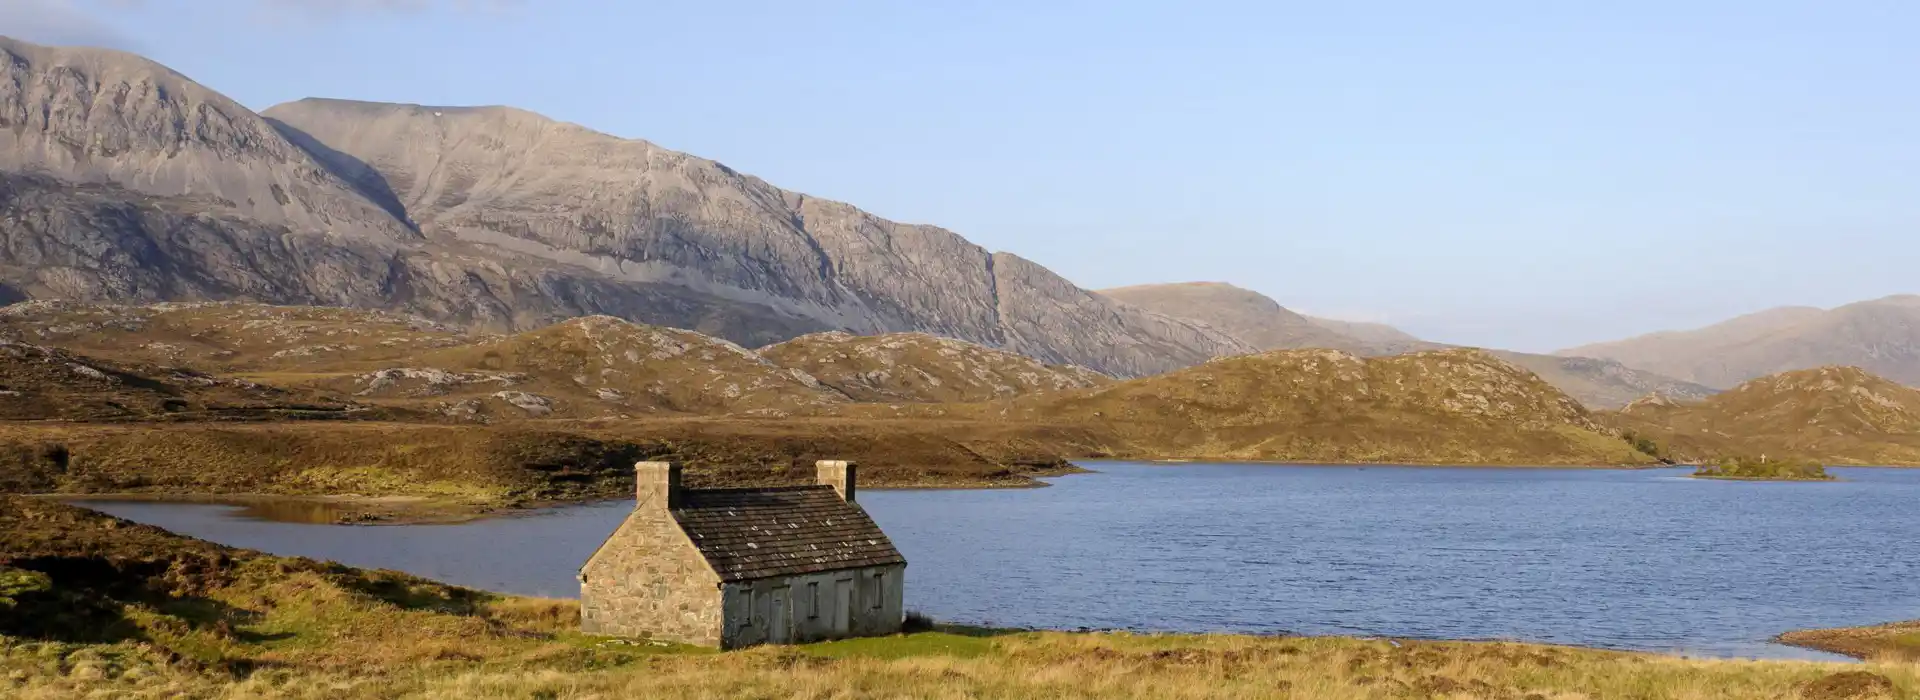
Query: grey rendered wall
[812,607]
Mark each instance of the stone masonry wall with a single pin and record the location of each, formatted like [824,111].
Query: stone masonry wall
[649,581]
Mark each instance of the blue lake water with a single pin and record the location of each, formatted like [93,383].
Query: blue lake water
[1645,560]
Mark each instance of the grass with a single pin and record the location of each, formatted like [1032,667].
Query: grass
[946,665]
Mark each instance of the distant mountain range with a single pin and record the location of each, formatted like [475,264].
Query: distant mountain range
[1881,336]
[123,181]
[1264,323]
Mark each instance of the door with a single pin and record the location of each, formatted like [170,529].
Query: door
[778,630]
[843,607]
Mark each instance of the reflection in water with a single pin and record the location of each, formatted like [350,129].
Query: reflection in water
[1624,559]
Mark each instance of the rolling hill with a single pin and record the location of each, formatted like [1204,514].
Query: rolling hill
[1833,415]
[1445,406]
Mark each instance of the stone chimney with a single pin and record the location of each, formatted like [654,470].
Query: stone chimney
[838,474]
[657,485]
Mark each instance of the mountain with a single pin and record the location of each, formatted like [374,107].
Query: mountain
[1881,336]
[1245,314]
[1264,323]
[1834,415]
[122,181]
[1445,406]
[1602,384]
[628,210]
[1375,333]
[916,367]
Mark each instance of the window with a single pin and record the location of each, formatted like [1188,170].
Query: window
[813,601]
[879,590]
[746,600]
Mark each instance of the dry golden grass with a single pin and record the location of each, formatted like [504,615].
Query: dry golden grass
[1026,665]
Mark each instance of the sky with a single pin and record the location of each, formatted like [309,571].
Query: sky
[1517,174]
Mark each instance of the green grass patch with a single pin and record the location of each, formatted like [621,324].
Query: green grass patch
[959,643]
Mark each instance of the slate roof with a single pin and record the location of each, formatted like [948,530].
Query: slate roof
[748,534]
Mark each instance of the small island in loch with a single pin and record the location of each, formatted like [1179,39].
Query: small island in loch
[1763,469]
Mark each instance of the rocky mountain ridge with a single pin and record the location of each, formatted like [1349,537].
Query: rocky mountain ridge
[123,181]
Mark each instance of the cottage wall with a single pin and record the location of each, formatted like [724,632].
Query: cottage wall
[812,607]
[648,580]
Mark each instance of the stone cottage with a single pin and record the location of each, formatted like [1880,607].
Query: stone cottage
[731,568]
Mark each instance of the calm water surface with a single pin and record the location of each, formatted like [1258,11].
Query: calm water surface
[1627,559]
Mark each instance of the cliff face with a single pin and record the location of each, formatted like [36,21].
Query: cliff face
[123,181]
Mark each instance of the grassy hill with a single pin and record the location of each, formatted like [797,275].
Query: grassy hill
[1831,415]
[1447,406]
[916,367]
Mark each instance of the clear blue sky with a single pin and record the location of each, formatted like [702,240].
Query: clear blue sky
[1519,174]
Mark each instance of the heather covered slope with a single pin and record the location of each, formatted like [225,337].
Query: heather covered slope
[1832,415]
[44,383]
[530,188]
[1881,336]
[598,366]
[1450,406]
[916,367]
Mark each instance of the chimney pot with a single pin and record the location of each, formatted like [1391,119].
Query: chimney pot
[839,474]
[657,485]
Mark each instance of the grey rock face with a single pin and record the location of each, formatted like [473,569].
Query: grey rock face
[127,182]
[633,212]
[91,115]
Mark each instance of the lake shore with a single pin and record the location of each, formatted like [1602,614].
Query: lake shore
[188,618]
[1897,641]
